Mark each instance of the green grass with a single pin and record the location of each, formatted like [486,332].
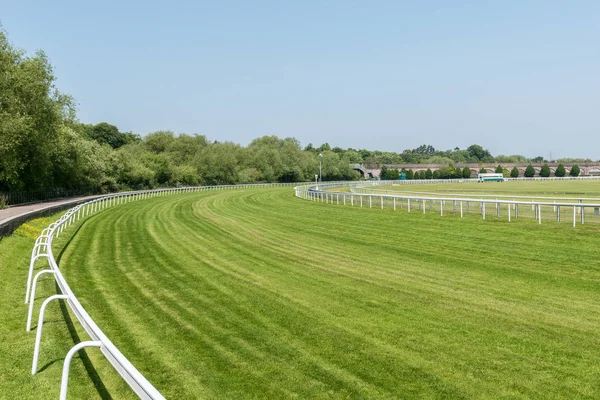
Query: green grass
[16,345]
[257,294]
[574,189]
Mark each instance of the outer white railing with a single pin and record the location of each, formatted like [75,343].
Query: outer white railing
[43,249]
[325,193]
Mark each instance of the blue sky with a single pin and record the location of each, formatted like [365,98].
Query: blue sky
[514,76]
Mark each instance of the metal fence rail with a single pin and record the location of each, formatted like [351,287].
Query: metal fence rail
[550,209]
[43,250]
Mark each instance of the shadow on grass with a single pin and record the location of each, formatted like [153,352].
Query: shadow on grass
[87,363]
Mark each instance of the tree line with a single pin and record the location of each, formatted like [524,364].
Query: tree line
[44,146]
[452,172]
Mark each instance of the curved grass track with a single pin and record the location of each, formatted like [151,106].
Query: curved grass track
[257,294]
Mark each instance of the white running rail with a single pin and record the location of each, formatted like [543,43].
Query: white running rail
[326,193]
[43,249]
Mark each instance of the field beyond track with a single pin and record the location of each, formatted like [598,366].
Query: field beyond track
[257,294]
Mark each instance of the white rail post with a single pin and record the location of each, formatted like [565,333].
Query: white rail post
[38,334]
[381,200]
[539,211]
[64,382]
[483,210]
[509,213]
[558,213]
[574,216]
[32,298]
[394,201]
[361,200]
[30,274]
[408,205]
[461,209]
[582,214]
[424,207]
[370,201]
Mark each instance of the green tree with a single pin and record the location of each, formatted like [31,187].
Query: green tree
[428,174]
[32,115]
[410,174]
[545,171]
[466,172]
[159,141]
[478,153]
[575,170]
[436,174]
[529,171]
[384,172]
[560,171]
[483,170]
[499,169]
[109,134]
[514,173]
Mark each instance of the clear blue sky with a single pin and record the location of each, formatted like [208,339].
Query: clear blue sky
[514,76]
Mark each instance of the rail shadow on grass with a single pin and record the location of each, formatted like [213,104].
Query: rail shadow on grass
[87,363]
[82,354]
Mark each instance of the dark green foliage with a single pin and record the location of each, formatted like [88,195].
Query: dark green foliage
[478,153]
[428,174]
[545,171]
[483,171]
[383,173]
[436,174]
[499,169]
[106,133]
[529,171]
[389,174]
[514,173]
[466,172]
[410,174]
[575,170]
[560,171]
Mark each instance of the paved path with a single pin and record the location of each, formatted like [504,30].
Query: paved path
[13,217]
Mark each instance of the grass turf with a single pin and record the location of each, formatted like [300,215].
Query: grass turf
[256,294]
[567,188]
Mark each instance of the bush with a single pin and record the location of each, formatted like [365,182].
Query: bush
[466,172]
[3,201]
[428,174]
[545,171]
[483,171]
[575,170]
[529,171]
[514,173]
[499,169]
[560,171]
